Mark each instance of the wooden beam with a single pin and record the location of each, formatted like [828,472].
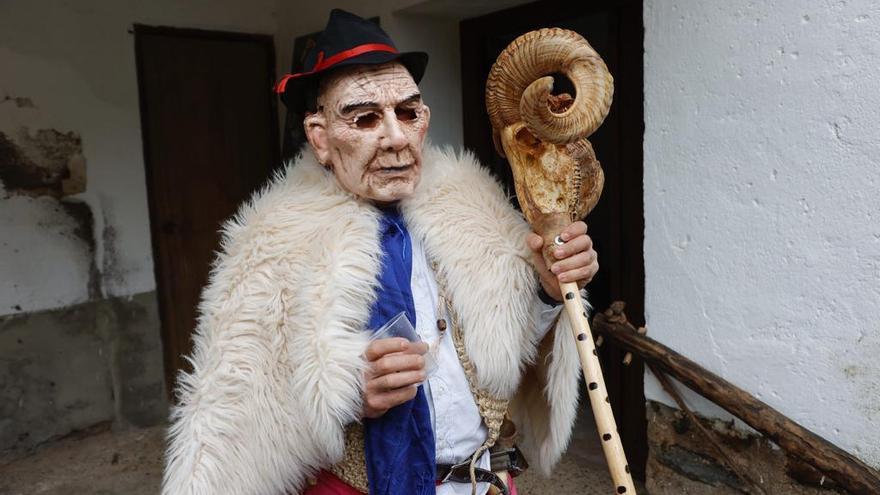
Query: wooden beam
[797,441]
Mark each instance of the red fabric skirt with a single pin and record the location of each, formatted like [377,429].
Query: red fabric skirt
[329,484]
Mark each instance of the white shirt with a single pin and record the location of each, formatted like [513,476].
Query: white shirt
[458,427]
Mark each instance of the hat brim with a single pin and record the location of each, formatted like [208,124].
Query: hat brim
[296,89]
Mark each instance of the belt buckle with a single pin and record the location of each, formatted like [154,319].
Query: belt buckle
[453,468]
[510,460]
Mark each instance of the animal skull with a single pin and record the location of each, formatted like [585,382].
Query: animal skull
[544,137]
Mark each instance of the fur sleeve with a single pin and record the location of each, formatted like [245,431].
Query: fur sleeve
[245,422]
[277,360]
[545,405]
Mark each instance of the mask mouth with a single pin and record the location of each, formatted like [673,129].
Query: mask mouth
[393,162]
[397,169]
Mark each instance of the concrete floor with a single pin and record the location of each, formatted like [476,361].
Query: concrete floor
[130,463]
[103,463]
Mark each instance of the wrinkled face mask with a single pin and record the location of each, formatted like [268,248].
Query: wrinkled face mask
[369,129]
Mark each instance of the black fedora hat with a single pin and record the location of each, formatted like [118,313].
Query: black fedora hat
[347,40]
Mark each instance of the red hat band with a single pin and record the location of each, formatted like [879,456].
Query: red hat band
[323,63]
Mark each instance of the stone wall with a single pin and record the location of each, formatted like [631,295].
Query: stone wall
[68,369]
[681,461]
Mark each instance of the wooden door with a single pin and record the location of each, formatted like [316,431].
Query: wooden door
[210,132]
[615,30]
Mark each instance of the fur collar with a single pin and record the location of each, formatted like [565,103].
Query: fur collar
[467,227]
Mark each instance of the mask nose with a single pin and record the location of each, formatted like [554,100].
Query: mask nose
[393,138]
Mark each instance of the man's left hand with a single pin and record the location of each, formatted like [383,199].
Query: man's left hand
[576,259]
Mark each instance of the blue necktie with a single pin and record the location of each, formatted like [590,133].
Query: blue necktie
[398,446]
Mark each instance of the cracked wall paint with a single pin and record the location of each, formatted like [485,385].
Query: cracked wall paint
[19,101]
[45,226]
[762,250]
[72,69]
[43,159]
[46,162]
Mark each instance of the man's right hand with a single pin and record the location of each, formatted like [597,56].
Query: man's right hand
[396,368]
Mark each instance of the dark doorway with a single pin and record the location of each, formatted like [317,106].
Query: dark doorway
[210,130]
[615,30]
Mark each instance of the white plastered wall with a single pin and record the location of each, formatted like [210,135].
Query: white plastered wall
[762,203]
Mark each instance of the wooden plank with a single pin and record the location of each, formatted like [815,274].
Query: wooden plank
[794,439]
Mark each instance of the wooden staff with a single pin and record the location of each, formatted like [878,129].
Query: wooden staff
[556,174]
[611,445]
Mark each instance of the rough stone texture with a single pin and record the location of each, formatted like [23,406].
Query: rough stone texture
[131,328]
[68,369]
[46,162]
[681,461]
[55,376]
[762,217]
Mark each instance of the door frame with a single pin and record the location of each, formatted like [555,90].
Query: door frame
[169,346]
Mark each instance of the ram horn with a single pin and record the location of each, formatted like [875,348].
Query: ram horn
[519,86]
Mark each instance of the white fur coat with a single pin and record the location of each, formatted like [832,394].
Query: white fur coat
[277,359]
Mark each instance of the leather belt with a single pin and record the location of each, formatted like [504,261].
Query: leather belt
[461,473]
[505,460]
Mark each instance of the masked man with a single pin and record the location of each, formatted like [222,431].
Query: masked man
[289,393]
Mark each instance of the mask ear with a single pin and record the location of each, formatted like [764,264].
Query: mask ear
[316,132]
[427,112]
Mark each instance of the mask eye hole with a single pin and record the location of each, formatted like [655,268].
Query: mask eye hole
[406,114]
[367,120]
